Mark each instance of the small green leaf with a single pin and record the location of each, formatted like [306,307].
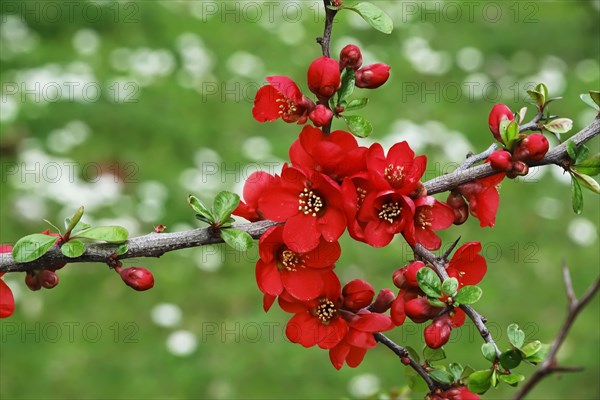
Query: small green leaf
[468,371]
[489,351]
[582,153]
[559,125]
[512,134]
[73,248]
[358,125]
[587,182]
[468,295]
[588,99]
[239,240]
[531,348]
[538,98]
[449,286]
[203,213]
[110,234]
[571,149]
[348,78]
[576,196]
[515,335]
[456,370]
[433,354]
[32,247]
[374,16]
[52,225]
[543,89]
[479,381]
[429,282]
[413,354]
[122,249]
[503,128]
[494,378]
[74,220]
[540,355]
[356,104]
[441,376]
[225,203]
[512,379]
[435,302]
[590,167]
[595,95]
[522,114]
[510,359]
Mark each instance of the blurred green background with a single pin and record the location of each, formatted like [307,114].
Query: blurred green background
[126,107]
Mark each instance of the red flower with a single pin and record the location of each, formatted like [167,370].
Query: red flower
[431,215]
[317,321]
[483,198]
[324,77]
[254,187]
[7,300]
[372,76]
[302,275]
[281,99]
[467,264]
[321,115]
[399,170]
[359,338]
[354,192]
[309,203]
[336,155]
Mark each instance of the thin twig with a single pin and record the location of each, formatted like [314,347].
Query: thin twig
[474,158]
[533,124]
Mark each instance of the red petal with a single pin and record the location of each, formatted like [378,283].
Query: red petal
[338,354]
[304,283]
[299,157]
[332,224]
[323,256]
[300,233]
[372,322]
[468,265]
[427,238]
[442,216]
[266,107]
[331,334]
[278,204]
[255,186]
[287,87]
[268,278]
[268,301]
[487,206]
[7,301]
[377,235]
[355,357]
[459,318]
[302,328]
[360,339]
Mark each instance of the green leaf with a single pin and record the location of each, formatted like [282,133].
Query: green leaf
[512,134]
[202,212]
[571,149]
[56,228]
[587,182]
[347,88]
[582,153]
[122,249]
[356,104]
[540,355]
[110,234]
[590,167]
[595,95]
[494,378]
[479,381]
[32,247]
[441,376]
[531,348]
[543,89]
[433,354]
[510,359]
[239,240]
[559,125]
[73,248]
[588,99]
[576,196]
[538,98]
[456,370]
[468,371]
[468,295]
[225,203]
[74,220]
[374,16]
[429,282]
[503,128]
[512,379]
[413,353]
[435,302]
[358,125]
[516,336]
[522,114]
[489,351]
[449,286]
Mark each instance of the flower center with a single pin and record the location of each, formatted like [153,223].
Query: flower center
[310,202]
[290,260]
[326,311]
[360,194]
[424,218]
[394,174]
[287,106]
[390,212]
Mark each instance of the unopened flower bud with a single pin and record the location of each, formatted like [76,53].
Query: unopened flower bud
[499,113]
[398,277]
[438,333]
[324,77]
[501,160]
[372,76]
[357,294]
[397,311]
[47,278]
[519,169]
[459,206]
[419,310]
[411,273]
[32,281]
[383,301]
[350,57]
[137,278]
[533,148]
[321,115]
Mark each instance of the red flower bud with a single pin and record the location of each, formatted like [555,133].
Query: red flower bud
[460,393]
[438,333]
[383,301]
[519,169]
[47,278]
[357,294]
[324,77]
[397,311]
[32,281]
[350,57]
[372,76]
[499,113]
[533,148]
[398,277]
[321,115]
[137,278]
[419,310]
[501,160]
[410,275]
[460,207]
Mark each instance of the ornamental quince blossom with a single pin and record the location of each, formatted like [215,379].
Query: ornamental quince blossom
[467,265]
[254,187]
[281,98]
[482,195]
[431,215]
[399,170]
